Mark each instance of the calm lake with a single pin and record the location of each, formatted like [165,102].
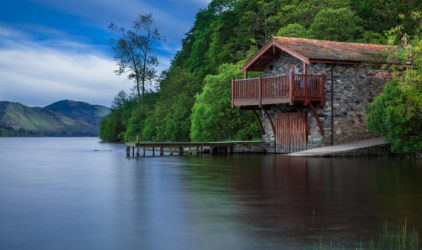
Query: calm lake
[58,193]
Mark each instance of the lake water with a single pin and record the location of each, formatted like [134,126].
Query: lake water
[58,193]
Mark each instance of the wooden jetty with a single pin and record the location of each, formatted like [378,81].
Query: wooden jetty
[214,147]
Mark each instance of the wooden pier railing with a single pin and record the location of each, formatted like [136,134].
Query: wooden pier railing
[277,89]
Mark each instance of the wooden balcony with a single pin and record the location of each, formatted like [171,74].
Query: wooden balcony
[273,90]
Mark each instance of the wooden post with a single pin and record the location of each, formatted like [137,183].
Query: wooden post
[171,149]
[197,149]
[321,130]
[292,86]
[137,151]
[153,151]
[246,74]
[302,114]
[271,120]
[180,150]
[133,151]
[202,149]
[233,93]
[127,151]
[305,69]
[260,91]
[144,150]
[322,91]
[161,150]
[259,122]
[190,149]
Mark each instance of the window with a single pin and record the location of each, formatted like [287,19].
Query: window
[292,68]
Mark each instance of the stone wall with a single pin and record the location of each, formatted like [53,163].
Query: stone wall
[380,151]
[354,89]
[249,147]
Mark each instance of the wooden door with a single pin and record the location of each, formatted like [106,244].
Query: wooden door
[290,133]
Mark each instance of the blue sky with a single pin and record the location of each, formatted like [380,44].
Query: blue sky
[52,50]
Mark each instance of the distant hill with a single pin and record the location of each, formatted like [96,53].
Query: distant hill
[19,120]
[91,114]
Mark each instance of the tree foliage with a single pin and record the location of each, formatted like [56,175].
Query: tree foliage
[134,51]
[336,25]
[396,113]
[293,30]
[192,101]
[212,117]
[113,128]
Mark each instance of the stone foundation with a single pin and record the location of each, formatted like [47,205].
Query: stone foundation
[380,151]
[249,148]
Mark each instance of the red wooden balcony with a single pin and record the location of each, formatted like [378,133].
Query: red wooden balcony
[283,89]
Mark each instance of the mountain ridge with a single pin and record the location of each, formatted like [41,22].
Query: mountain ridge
[62,118]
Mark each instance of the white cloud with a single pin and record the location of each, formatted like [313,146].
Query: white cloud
[37,75]
[100,13]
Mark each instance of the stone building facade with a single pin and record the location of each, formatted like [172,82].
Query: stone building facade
[355,86]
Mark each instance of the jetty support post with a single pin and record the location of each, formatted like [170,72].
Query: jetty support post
[197,149]
[144,150]
[127,151]
[133,151]
[137,150]
[190,149]
[153,151]
[171,149]
[180,150]
[161,150]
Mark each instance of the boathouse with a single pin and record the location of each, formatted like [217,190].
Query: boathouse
[312,92]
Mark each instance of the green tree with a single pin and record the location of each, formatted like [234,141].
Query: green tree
[113,127]
[336,25]
[304,12]
[212,117]
[257,22]
[173,111]
[293,30]
[138,121]
[396,113]
[379,16]
[134,51]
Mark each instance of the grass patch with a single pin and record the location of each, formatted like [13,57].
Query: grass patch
[402,239]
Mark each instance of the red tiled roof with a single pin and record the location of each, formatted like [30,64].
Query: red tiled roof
[328,50]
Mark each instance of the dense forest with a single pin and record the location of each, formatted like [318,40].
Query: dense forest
[192,99]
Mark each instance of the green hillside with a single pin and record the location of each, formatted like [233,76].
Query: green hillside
[91,114]
[20,120]
[193,98]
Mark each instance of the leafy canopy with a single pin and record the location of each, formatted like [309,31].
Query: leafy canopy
[396,113]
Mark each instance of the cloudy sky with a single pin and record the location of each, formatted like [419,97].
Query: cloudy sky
[52,50]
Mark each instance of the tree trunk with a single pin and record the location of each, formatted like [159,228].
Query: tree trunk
[139,93]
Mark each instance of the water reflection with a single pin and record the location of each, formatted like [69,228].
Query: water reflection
[76,198]
[299,200]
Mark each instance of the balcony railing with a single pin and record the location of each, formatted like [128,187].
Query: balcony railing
[278,89]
